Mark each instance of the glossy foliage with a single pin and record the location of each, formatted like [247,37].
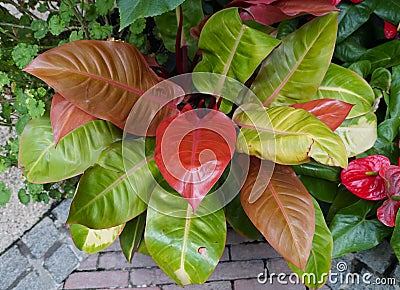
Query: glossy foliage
[283,212]
[42,162]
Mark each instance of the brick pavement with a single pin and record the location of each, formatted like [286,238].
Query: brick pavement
[45,258]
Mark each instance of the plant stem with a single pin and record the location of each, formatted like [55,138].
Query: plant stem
[5,32]
[79,16]
[14,25]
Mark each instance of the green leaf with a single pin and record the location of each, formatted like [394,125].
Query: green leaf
[92,241]
[41,162]
[395,240]
[286,27]
[319,261]
[230,48]
[35,107]
[65,11]
[386,144]
[321,189]
[287,136]
[344,198]
[306,53]
[239,221]
[3,165]
[111,192]
[384,55]
[347,86]
[104,6]
[349,50]
[352,231]
[23,197]
[131,236]
[318,170]
[138,26]
[56,25]
[40,28]
[98,31]
[394,99]
[358,134]
[381,79]
[130,10]
[23,53]
[362,67]
[21,123]
[351,17]
[167,25]
[4,81]
[76,35]
[5,194]
[388,10]
[186,248]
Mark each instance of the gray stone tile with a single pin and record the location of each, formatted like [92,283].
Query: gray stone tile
[41,237]
[62,210]
[12,265]
[31,281]
[378,258]
[341,267]
[61,263]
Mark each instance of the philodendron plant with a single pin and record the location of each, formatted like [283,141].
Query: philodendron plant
[265,113]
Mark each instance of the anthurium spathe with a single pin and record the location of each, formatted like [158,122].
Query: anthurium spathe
[193,151]
[362,177]
[387,211]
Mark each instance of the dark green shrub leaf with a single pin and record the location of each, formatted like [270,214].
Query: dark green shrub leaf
[394,99]
[23,54]
[353,230]
[131,236]
[381,79]
[384,55]
[56,25]
[395,240]
[98,31]
[5,194]
[321,189]
[104,6]
[40,28]
[132,10]
[23,197]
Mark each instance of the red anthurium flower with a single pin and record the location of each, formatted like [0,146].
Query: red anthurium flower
[362,177]
[390,30]
[335,2]
[387,211]
[356,1]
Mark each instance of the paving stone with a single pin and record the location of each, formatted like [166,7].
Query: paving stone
[61,263]
[237,270]
[80,254]
[89,264]
[278,265]
[41,237]
[396,273]
[378,258]
[31,281]
[253,284]
[233,238]
[99,279]
[140,260]
[113,247]
[220,285]
[371,281]
[341,267]
[141,288]
[12,265]
[150,276]
[62,210]
[225,255]
[113,260]
[253,251]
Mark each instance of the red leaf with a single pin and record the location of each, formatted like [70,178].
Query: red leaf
[356,1]
[390,30]
[66,117]
[296,8]
[387,212]
[362,179]
[330,111]
[335,2]
[192,152]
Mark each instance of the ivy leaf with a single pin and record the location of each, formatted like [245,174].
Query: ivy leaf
[35,108]
[56,25]
[138,26]
[4,80]
[76,35]
[98,31]
[362,177]
[24,197]
[65,11]
[40,28]
[21,123]
[3,165]
[5,194]
[104,6]
[22,54]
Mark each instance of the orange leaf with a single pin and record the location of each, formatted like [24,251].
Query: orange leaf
[282,211]
[66,117]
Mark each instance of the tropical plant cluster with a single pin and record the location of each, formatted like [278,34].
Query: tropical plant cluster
[296,104]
